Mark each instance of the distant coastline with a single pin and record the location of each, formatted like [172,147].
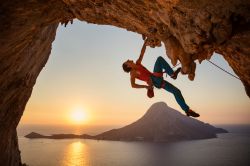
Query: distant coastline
[34,135]
[159,124]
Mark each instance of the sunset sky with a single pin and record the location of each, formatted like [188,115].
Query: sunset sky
[83,82]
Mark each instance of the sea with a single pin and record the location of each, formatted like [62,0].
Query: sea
[228,149]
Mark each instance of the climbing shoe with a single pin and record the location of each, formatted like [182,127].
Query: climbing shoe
[192,113]
[174,76]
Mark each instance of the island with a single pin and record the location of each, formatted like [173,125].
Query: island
[159,124]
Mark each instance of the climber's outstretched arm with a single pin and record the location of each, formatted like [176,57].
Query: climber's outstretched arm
[142,52]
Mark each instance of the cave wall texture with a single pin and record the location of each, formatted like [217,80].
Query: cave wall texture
[189,30]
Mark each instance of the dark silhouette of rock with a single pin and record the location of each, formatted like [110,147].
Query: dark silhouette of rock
[34,135]
[162,123]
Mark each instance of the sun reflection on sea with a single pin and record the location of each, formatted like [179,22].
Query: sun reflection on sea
[76,155]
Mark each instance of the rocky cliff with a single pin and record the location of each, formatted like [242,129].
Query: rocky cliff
[189,30]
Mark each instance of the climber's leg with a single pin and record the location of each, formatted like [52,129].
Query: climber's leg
[177,94]
[161,64]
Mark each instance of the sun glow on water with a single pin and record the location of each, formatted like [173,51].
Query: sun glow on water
[76,154]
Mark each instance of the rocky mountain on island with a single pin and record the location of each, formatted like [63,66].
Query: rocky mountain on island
[162,123]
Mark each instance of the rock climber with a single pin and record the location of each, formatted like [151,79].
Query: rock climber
[138,71]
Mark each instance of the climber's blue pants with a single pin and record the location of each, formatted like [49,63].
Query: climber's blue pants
[161,64]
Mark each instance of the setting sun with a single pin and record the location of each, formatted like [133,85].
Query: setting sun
[78,116]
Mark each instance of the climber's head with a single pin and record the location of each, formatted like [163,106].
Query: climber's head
[128,65]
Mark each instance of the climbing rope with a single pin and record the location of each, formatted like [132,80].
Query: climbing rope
[176,65]
[217,67]
[223,69]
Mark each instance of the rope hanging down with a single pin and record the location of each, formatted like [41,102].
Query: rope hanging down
[223,70]
[217,67]
[176,65]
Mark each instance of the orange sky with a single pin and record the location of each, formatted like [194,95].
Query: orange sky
[84,71]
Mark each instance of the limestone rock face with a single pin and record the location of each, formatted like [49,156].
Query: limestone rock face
[189,30]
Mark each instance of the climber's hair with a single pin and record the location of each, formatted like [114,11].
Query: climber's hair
[126,68]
